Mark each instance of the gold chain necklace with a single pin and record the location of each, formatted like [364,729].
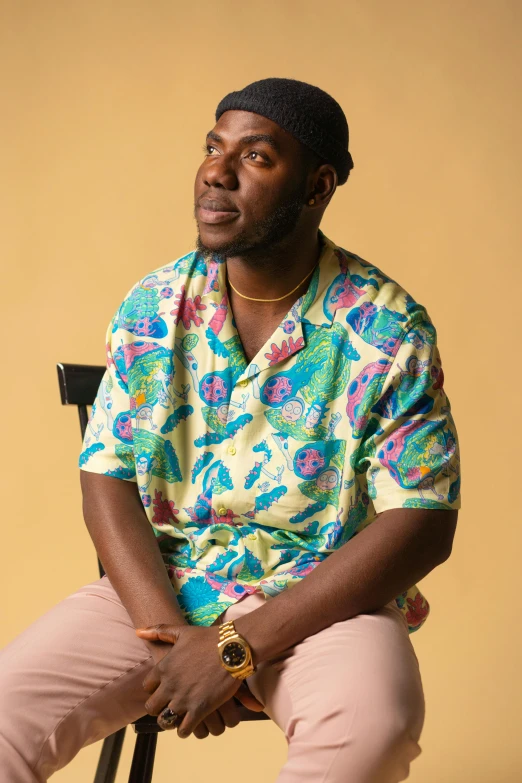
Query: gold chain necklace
[253,299]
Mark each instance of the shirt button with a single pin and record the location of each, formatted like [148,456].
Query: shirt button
[222,511]
[232,450]
[244,382]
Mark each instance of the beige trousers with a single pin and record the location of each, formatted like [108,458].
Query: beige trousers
[349,698]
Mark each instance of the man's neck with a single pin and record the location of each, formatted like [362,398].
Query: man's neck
[268,276]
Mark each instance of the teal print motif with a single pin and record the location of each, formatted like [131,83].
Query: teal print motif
[89,452]
[139,313]
[161,451]
[198,599]
[252,569]
[202,461]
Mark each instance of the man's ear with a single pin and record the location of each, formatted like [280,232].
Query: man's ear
[325,184]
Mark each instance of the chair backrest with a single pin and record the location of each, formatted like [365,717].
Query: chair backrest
[78,386]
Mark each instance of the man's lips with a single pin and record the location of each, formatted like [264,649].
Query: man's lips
[211,211]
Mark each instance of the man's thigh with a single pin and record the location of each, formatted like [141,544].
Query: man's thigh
[71,678]
[349,698]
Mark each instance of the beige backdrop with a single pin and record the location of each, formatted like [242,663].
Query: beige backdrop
[105,109]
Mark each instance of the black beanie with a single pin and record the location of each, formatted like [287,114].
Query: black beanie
[305,111]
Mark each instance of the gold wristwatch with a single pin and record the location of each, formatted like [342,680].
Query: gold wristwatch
[234,652]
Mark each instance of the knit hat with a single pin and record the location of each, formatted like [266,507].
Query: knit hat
[305,111]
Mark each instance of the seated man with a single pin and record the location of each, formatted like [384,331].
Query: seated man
[270,466]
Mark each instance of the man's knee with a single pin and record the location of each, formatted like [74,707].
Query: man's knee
[385,754]
[357,740]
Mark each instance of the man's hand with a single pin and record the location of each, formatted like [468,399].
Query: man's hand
[192,682]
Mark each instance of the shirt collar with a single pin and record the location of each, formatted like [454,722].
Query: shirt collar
[311,306]
[316,308]
[313,310]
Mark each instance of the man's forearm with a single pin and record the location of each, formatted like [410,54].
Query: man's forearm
[127,547]
[395,551]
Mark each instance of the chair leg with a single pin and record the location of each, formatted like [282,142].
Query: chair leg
[143,758]
[110,757]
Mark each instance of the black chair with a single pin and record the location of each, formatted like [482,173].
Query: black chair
[78,386]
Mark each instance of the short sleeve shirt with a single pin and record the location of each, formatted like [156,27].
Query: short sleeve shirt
[252,473]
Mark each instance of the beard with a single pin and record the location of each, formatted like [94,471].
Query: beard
[265,237]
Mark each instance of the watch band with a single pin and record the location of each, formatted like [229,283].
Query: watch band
[226,630]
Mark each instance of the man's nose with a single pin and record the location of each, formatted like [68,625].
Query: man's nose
[220,172]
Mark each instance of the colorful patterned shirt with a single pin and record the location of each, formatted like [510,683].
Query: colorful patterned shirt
[253,473]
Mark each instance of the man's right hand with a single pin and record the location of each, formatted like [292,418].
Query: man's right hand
[227,715]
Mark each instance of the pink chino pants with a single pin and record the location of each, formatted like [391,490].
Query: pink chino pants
[349,699]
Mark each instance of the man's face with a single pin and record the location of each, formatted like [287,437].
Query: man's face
[249,192]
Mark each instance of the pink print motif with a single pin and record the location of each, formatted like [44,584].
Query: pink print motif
[437,374]
[179,573]
[418,609]
[284,351]
[212,275]
[227,518]
[131,350]
[417,473]
[186,309]
[123,426]
[164,510]
[219,317]
[345,294]
[110,360]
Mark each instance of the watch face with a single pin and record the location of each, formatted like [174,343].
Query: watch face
[234,654]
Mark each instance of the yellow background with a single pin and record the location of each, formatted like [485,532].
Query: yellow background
[104,111]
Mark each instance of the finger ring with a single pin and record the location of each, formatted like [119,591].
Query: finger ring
[167,718]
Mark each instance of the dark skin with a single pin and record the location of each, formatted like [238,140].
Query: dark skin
[402,545]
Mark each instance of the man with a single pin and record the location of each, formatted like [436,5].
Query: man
[270,466]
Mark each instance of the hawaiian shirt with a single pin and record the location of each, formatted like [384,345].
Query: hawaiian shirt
[252,473]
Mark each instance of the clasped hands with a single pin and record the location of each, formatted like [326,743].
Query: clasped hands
[192,682]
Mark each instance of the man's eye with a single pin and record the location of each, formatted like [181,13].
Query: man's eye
[254,152]
[207,147]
